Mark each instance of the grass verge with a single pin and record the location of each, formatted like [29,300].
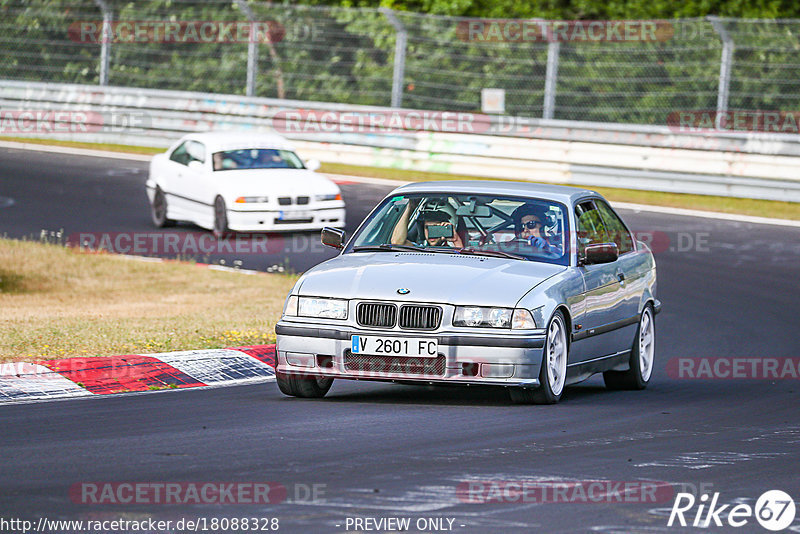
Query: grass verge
[129,149]
[58,303]
[744,206]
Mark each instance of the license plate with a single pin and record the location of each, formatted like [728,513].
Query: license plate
[395,346]
[292,215]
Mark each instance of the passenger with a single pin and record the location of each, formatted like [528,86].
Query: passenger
[420,229]
[441,219]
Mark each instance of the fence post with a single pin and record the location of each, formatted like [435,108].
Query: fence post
[105,40]
[551,79]
[399,56]
[252,49]
[725,66]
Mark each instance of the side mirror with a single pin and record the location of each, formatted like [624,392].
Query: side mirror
[313,164]
[333,237]
[195,165]
[600,253]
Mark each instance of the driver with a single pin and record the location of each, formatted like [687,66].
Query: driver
[528,223]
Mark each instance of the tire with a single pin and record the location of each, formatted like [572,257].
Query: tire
[313,387]
[158,210]
[221,229]
[553,373]
[642,357]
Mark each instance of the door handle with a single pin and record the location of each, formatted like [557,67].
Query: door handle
[621,276]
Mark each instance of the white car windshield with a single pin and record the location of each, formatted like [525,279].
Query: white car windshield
[514,227]
[256,158]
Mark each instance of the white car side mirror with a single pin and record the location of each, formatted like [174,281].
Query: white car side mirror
[313,164]
[196,165]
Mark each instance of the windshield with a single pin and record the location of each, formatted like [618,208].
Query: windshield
[522,228]
[256,158]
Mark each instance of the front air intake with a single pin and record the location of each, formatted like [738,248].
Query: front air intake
[375,314]
[414,317]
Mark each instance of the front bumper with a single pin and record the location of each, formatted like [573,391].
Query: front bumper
[464,358]
[285,220]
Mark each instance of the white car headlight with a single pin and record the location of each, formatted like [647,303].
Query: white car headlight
[325,198]
[322,308]
[482,317]
[290,307]
[252,200]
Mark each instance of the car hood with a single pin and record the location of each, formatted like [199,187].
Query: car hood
[429,277]
[274,182]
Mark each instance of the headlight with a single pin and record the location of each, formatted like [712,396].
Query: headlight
[290,307]
[483,317]
[248,200]
[324,198]
[322,308]
[475,316]
[522,320]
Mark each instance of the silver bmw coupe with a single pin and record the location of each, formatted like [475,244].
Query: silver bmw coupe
[524,286]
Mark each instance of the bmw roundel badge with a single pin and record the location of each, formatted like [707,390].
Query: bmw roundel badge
[403,291]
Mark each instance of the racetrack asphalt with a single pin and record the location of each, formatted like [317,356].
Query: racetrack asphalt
[383,450]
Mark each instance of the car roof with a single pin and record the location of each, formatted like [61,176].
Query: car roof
[559,193]
[237,140]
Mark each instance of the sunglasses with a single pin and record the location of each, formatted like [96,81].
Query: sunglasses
[530,225]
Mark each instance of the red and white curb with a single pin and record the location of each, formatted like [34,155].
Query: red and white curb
[83,377]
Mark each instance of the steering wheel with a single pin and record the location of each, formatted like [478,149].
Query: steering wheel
[487,239]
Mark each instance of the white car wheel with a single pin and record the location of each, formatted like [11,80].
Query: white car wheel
[158,210]
[220,218]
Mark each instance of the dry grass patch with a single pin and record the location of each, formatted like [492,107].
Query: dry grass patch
[55,302]
[111,147]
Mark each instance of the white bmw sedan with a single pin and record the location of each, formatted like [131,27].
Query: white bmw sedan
[234,182]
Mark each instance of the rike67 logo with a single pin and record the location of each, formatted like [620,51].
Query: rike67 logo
[774,510]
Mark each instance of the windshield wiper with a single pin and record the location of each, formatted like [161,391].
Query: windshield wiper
[495,253]
[388,247]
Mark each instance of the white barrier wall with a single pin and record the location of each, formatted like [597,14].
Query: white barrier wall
[607,155]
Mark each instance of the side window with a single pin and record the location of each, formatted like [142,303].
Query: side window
[591,227]
[196,151]
[179,155]
[616,228]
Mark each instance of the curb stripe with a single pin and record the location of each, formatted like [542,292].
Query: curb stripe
[214,367]
[87,376]
[265,353]
[119,374]
[36,381]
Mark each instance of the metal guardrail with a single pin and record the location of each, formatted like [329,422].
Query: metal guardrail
[614,71]
[753,165]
